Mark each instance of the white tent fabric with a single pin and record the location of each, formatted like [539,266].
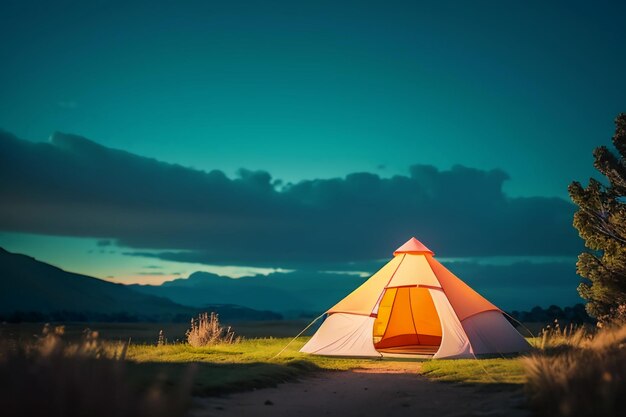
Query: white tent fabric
[344,335]
[490,332]
[454,341]
[458,323]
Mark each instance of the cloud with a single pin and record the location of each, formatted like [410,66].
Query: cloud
[74,187]
[104,243]
[522,285]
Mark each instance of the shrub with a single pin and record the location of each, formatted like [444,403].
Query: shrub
[52,377]
[207,331]
[578,374]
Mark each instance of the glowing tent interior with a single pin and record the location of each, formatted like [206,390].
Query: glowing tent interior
[415,306]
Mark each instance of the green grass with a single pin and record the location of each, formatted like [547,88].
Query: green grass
[227,368]
[508,371]
[252,364]
[247,351]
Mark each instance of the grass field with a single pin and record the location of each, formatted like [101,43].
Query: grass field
[506,370]
[252,363]
[217,369]
[237,367]
[569,372]
[509,371]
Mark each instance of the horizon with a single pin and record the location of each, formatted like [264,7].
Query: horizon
[201,277]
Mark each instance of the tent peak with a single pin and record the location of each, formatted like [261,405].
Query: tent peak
[413,246]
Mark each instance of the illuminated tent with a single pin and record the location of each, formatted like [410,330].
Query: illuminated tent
[415,306]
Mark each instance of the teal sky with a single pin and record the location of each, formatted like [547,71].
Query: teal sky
[305,91]
[528,87]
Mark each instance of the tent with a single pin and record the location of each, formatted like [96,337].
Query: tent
[414,306]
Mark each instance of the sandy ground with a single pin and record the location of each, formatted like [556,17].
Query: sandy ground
[386,389]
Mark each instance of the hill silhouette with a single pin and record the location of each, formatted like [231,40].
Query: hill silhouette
[288,293]
[32,290]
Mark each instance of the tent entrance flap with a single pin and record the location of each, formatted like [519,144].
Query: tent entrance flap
[407,322]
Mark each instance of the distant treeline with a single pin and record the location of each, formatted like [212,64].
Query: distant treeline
[123,317]
[74,316]
[575,314]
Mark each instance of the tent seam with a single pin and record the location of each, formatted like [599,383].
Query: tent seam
[453,309]
[380,297]
[444,291]
[388,319]
[483,311]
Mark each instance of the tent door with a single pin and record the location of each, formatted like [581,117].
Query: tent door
[407,322]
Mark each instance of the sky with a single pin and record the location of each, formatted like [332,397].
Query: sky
[254,137]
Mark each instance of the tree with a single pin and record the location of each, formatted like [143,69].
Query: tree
[601,223]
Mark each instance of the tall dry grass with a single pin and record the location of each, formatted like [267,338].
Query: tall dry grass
[52,377]
[554,337]
[206,330]
[578,372]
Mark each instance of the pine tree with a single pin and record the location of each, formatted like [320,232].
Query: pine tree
[601,223]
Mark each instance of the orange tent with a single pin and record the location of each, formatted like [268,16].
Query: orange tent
[415,306]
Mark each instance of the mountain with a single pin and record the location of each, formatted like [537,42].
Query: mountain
[42,290]
[302,291]
[509,286]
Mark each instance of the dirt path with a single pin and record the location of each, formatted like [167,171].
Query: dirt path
[381,390]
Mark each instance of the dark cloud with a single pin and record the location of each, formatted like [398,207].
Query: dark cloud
[72,186]
[522,285]
[518,274]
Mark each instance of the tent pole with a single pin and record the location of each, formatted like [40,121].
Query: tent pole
[299,334]
[520,323]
